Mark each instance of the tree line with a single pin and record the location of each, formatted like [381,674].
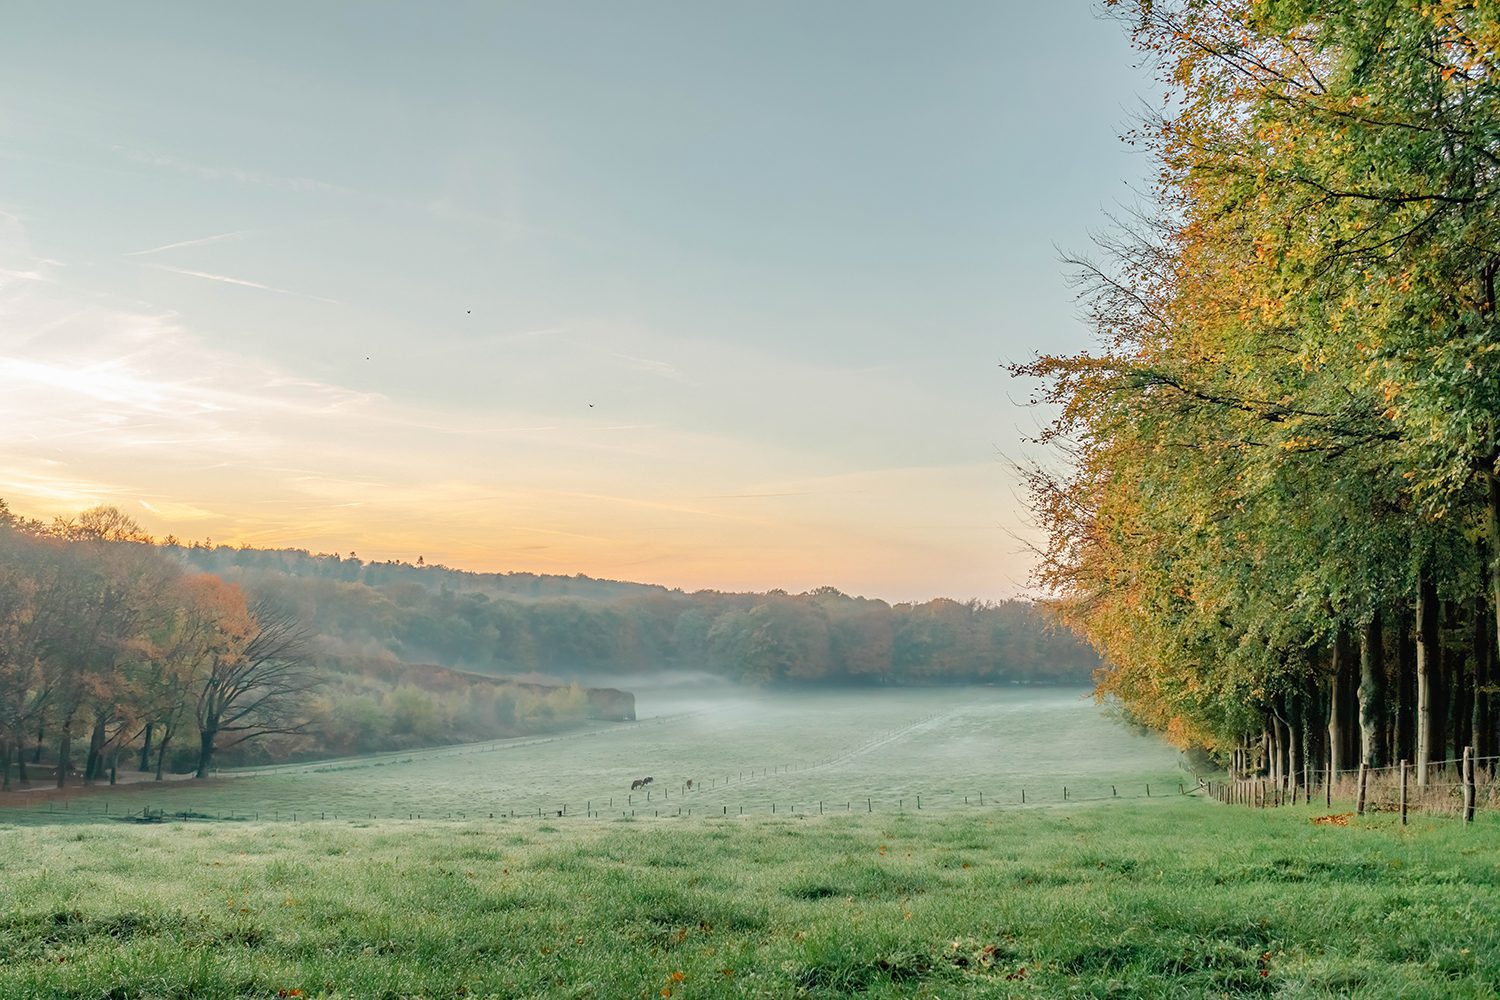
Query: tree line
[114,654]
[576,627]
[103,638]
[1276,508]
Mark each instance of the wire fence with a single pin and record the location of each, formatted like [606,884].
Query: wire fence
[655,806]
[1450,788]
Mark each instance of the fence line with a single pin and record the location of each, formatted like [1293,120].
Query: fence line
[1023,797]
[1394,788]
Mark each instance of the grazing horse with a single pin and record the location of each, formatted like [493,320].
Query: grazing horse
[690,784]
[640,783]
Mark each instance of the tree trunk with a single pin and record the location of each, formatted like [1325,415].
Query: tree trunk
[1442,685]
[64,755]
[1482,722]
[1294,739]
[21,775]
[5,764]
[161,752]
[1492,746]
[146,749]
[1340,709]
[1372,708]
[1429,652]
[205,753]
[1313,755]
[94,765]
[41,736]
[1462,681]
[1406,691]
[1351,700]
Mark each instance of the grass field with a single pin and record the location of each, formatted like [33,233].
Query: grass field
[878,749]
[1171,896]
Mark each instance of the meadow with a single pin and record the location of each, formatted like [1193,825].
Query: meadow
[745,751]
[1171,896]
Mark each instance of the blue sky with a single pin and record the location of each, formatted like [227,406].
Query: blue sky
[709,295]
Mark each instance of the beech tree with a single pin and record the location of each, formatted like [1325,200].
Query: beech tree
[1288,441]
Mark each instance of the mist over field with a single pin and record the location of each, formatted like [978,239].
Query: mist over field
[746,751]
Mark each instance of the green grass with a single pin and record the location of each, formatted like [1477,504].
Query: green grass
[1131,897]
[857,749]
[1170,898]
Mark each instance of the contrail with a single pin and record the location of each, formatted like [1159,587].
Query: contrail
[242,282]
[188,243]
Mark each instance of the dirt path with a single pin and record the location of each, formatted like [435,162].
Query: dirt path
[42,790]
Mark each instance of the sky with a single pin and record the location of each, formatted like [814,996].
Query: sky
[706,295]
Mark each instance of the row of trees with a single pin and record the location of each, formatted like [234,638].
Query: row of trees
[444,616]
[1280,514]
[104,638]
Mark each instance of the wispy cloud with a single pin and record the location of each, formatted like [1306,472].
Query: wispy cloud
[239,175]
[664,369]
[188,243]
[755,496]
[243,282]
[112,401]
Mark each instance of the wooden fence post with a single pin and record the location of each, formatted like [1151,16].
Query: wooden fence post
[1364,775]
[1468,784]
[1403,792]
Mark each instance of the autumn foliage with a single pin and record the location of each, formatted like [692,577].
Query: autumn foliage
[1274,503]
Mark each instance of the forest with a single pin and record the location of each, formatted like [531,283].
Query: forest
[117,650]
[1275,508]
[113,656]
[580,628]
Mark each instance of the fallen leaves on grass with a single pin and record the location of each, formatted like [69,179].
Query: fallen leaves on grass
[1335,819]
